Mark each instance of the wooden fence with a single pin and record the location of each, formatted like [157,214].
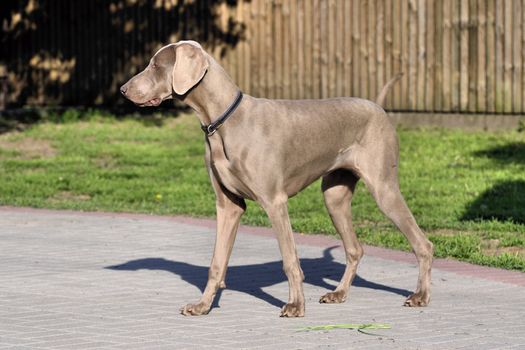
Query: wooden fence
[456,55]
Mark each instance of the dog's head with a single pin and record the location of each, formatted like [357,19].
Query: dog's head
[174,68]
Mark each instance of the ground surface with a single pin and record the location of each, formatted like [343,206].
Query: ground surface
[116,281]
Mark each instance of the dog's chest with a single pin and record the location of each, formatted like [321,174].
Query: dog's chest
[233,179]
[232,173]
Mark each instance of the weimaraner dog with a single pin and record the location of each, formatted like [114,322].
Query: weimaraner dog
[269,150]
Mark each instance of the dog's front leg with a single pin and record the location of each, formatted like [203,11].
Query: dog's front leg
[277,211]
[229,211]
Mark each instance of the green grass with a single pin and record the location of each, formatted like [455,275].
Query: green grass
[466,189]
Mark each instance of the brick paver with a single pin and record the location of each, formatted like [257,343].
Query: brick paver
[116,281]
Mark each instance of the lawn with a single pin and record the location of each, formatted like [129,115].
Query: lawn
[466,189]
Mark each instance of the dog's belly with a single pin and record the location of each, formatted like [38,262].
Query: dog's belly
[265,182]
[305,175]
[263,177]
[297,184]
[255,189]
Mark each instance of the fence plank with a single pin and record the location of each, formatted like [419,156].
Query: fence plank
[405,48]
[396,54]
[247,47]
[339,42]
[308,49]
[412,91]
[239,53]
[491,59]
[347,32]
[430,56]
[255,31]
[500,57]
[522,55]
[331,54]
[286,56]
[455,53]
[439,56]
[447,57]
[316,91]
[293,47]
[482,62]
[508,66]
[371,47]
[356,38]
[473,31]
[464,54]
[380,48]
[388,46]
[278,48]
[421,54]
[517,69]
[299,33]
[364,53]
[269,49]
[262,60]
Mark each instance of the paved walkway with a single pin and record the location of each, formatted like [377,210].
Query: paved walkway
[73,280]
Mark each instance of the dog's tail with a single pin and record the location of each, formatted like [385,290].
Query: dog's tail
[380,100]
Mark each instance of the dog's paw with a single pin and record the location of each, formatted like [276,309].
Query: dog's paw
[417,299]
[293,310]
[335,297]
[195,309]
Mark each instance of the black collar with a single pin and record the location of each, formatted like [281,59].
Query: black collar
[211,128]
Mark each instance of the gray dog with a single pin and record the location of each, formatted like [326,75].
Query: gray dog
[269,150]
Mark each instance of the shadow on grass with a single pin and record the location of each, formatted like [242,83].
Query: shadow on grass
[505,201]
[22,118]
[251,279]
[509,153]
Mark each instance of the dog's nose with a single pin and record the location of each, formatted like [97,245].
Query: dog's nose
[123,89]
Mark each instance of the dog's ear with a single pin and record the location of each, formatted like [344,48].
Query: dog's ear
[189,68]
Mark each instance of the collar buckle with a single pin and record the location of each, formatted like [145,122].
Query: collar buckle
[210,129]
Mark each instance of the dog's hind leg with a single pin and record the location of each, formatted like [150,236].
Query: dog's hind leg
[338,188]
[378,169]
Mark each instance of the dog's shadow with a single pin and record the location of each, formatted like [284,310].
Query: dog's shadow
[251,279]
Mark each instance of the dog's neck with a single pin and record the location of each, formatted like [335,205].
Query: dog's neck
[212,95]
